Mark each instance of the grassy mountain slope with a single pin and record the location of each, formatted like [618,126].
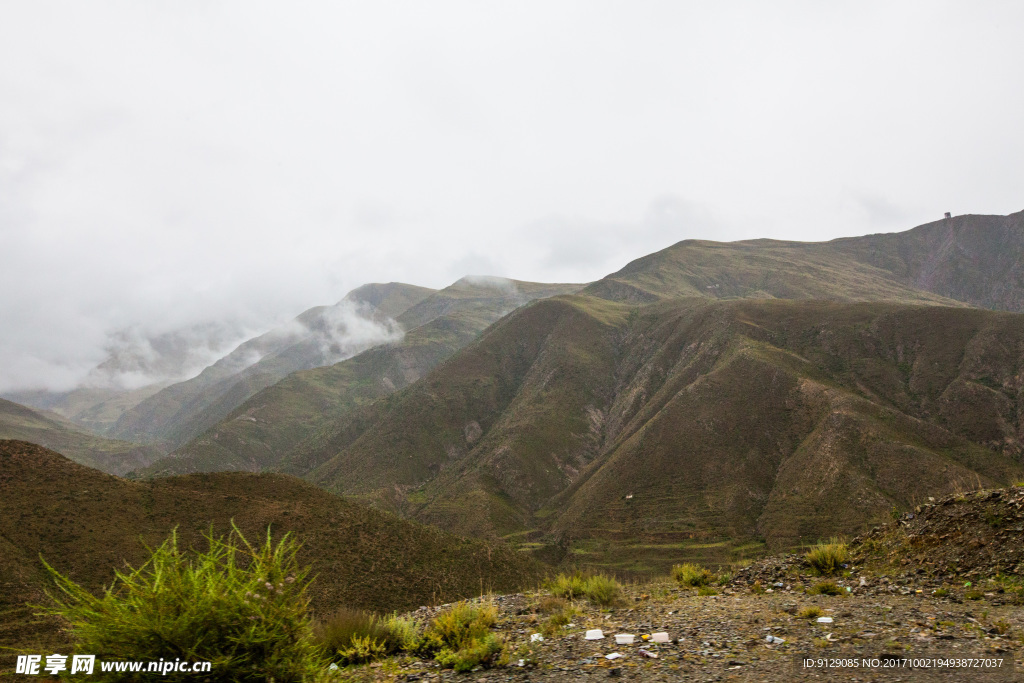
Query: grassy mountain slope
[690,422]
[92,408]
[270,430]
[53,431]
[186,409]
[86,523]
[972,260]
[766,269]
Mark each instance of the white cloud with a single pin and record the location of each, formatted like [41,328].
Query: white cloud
[170,164]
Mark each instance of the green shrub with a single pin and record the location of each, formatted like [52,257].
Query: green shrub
[828,558]
[826,588]
[476,652]
[461,637]
[692,575]
[569,586]
[353,636]
[551,603]
[598,588]
[601,589]
[558,619]
[242,608]
[406,632]
[706,590]
[362,649]
[810,613]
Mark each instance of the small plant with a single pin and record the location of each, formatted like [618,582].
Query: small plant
[692,575]
[1002,627]
[558,619]
[569,586]
[598,588]
[405,632]
[240,607]
[812,612]
[941,592]
[828,558]
[826,588]
[551,603]
[706,590]
[974,594]
[757,588]
[362,649]
[602,590]
[461,637]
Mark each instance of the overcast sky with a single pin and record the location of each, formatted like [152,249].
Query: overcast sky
[164,164]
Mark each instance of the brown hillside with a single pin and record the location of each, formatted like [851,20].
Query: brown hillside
[86,523]
[688,423]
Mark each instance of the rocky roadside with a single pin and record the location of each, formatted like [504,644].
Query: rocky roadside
[942,582]
[725,637]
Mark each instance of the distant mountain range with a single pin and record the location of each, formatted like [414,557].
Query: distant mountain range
[702,402]
[674,405]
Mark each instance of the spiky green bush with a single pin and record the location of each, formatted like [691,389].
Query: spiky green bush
[461,637]
[692,575]
[828,557]
[240,607]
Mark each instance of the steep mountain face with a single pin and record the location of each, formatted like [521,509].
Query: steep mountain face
[270,430]
[688,422]
[319,336]
[975,259]
[53,431]
[86,524]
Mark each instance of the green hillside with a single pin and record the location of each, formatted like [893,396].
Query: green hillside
[86,523]
[281,419]
[53,431]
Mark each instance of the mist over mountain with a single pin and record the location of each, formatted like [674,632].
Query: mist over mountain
[276,420]
[320,336]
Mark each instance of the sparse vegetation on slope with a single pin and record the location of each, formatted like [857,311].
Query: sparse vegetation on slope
[289,426]
[86,524]
[691,430]
[52,431]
